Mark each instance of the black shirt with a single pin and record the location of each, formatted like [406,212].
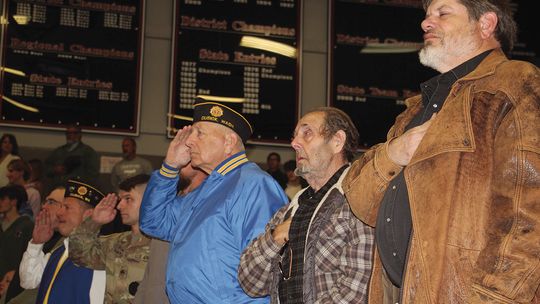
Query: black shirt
[291,290]
[394,222]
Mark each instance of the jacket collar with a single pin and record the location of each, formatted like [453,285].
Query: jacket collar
[232,163]
[487,66]
[293,205]
[452,128]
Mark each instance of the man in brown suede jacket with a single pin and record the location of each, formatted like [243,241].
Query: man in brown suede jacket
[454,193]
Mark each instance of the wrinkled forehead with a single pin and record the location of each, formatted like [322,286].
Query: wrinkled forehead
[313,120]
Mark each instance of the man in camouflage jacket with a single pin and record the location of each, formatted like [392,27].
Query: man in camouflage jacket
[123,255]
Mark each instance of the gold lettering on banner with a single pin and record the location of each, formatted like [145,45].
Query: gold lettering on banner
[267,30]
[36,45]
[375,91]
[41,79]
[205,54]
[256,59]
[108,7]
[85,83]
[214,24]
[97,52]
[356,40]
[355,91]
[364,40]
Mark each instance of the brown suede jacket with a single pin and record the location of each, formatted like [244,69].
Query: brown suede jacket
[474,190]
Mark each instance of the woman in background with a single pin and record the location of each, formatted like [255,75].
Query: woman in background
[9,150]
[18,174]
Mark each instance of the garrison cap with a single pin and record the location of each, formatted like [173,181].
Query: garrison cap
[223,114]
[83,191]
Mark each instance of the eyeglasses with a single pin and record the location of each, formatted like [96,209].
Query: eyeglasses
[285,248]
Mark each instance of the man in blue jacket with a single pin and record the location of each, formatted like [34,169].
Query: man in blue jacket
[209,227]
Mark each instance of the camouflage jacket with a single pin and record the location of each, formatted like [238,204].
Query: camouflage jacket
[122,255]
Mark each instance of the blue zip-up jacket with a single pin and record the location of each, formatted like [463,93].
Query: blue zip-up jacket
[209,227]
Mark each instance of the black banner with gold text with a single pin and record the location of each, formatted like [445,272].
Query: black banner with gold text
[243,51]
[80,62]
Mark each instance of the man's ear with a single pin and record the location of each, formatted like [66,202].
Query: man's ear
[231,140]
[488,23]
[87,213]
[338,141]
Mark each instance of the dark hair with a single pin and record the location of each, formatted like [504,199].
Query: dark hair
[13,141]
[15,192]
[336,120]
[290,165]
[74,126]
[273,154]
[131,140]
[58,187]
[506,29]
[134,181]
[20,165]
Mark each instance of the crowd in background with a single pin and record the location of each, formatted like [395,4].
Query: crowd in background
[37,185]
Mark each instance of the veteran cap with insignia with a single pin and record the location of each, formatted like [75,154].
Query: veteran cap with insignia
[83,191]
[227,114]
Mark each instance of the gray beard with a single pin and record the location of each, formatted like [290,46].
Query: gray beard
[428,58]
[300,172]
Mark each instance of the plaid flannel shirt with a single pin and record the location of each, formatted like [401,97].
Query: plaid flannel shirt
[338,256]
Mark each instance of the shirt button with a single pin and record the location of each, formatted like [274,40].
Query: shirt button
[388,219]
[394,254]
[394,187]
[435,105]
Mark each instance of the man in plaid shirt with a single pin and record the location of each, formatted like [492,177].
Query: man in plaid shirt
[314,250]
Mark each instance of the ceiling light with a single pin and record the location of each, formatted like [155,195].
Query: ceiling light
[181,117]
[268,45]
[20,105]
[13,71]
[221,98]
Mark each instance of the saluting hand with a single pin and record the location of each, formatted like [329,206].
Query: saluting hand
[43,227]
[178,152]
[105,211]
